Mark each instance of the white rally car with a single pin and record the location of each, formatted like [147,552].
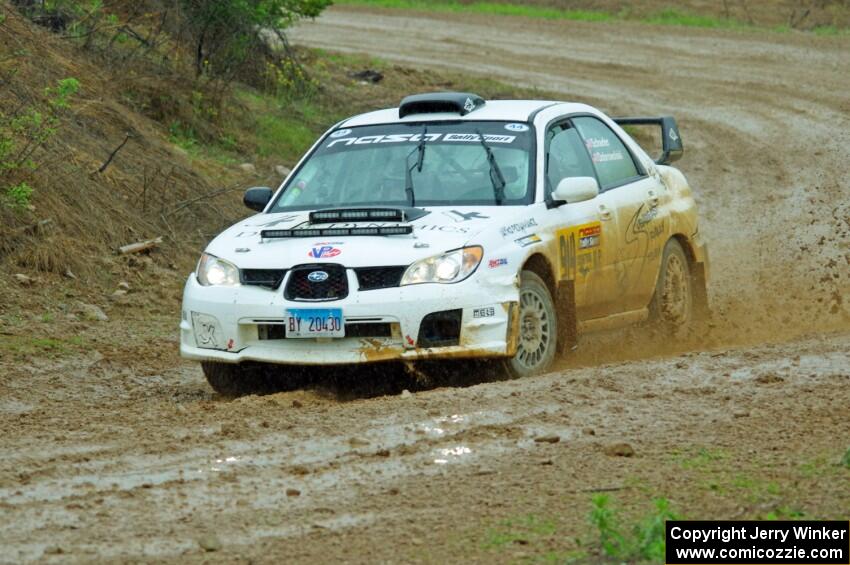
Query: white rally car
[450,228]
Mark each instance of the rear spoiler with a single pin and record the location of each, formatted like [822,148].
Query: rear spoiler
[671,141]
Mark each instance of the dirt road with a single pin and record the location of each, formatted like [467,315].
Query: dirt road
[125,453]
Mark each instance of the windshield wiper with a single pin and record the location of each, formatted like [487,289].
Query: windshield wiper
[408,184]
[496,176]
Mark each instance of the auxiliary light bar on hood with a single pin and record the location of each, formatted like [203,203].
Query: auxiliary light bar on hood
[335,232]
[357,215]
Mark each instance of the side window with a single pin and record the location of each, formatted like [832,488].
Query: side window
[612,160]
[565,157]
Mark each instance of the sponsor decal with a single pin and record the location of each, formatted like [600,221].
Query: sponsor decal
[647,217]
[317,276]
[418,227]
[340,133]
[469,105]
[459,216]
[579,250]
[497,262]
[324,252]
[518,227]
[488,312]
[607,157]
[643,239]
[410,341]
[516,127]
[589,237]
[597,142]
[281,220]
[672,135]
[444,229]
[416,137]
[475,138]
[528,240]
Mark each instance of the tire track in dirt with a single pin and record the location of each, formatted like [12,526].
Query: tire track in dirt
[229,467]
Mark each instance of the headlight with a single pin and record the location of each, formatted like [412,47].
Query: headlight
[451,267]
[213,271]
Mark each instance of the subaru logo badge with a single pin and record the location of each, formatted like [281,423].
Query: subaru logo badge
[317,276]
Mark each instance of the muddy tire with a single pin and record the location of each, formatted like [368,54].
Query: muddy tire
[236,380]
[538,329]
[672,306]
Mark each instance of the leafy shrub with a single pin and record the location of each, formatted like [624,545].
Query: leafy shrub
[23,132]
[17,197]
[645,541]
[58,96]
[228,34]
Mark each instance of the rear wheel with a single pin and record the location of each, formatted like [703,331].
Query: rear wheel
[538,328]
[672,306]
[235,380]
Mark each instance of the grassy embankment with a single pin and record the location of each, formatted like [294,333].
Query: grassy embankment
[674,14]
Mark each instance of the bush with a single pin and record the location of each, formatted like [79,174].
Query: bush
[17,197]
[229,34]
[23,132]
[644,542]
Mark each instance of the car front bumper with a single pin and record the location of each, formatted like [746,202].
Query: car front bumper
[245,323]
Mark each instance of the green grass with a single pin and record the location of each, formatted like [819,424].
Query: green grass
[643,541]
[282,131]
[668,16]
[493,8]
[671,16]
[18,346]
[829,31]
[279,136]
[702,458]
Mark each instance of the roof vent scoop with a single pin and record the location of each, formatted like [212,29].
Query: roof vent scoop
[437,102]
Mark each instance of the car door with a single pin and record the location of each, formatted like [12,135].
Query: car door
[633,203]
[584,254]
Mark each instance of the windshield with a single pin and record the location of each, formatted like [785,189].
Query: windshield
[365,166]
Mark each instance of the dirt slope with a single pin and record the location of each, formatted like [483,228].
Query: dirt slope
[123,453]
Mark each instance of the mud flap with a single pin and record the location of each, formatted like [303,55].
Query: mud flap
[700,292]
[565,304]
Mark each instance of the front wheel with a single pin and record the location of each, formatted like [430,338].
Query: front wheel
[672,306]
[538,329]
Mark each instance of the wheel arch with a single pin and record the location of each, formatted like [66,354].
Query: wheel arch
[563,294]
[538,264]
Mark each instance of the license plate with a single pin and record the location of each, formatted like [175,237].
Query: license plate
[314,322]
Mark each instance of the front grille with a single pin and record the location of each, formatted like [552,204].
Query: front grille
[268,278]
[372,278]
[299,287]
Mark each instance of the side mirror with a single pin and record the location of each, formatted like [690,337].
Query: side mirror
[257,198]
[576,189]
